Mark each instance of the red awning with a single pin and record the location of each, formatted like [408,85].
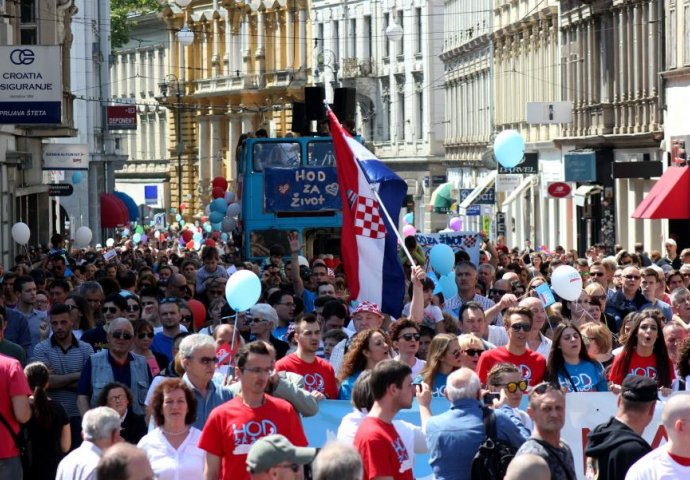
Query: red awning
[669,197]
[113,211]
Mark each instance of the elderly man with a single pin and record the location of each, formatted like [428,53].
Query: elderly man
[454,436]
[466,280]
[118,364]
[337,460]
[669,460]
[198,355]
[101,430]
[274,457]
[124,462]
[675,333]
[628,298]
[264,320]
[680,304]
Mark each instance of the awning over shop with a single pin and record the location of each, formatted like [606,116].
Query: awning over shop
[524,185]
[442,198]
[484,185]
[113,211]
[582,192]
[132,208]
[669,197]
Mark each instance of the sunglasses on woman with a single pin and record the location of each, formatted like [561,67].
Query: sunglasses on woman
[474,352]
[513,387]
[142,336]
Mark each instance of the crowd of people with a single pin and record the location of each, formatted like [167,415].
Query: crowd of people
[137,368]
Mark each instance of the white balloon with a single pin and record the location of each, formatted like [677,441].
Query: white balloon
[566,282]
[109,243]
[83,236]
[21,233]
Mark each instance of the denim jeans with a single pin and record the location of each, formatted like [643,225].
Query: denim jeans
[11,468]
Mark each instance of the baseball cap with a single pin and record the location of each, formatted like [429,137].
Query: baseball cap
[639,389]
[370,307]
[272,450]
[670,241]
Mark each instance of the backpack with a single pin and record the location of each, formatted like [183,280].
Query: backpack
[22,441]
[492,458]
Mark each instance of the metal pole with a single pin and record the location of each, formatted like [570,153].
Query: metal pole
[178,125]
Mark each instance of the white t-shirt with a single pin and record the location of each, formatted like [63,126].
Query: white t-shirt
[169,464]
[411,435]
[432,314]
[416,368]
[657,465]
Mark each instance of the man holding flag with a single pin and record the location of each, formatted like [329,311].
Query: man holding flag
[371,195]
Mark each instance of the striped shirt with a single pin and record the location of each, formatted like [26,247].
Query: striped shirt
[62,362]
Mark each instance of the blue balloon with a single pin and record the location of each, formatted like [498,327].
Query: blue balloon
[77,177]
[216,227]
[136,238]
[243,290]
[178,217]
[182,223]
[448,285]
[219,205]
[224,236]
[509,148]
[208,228]
[216,217]
[442,258]
[409,218]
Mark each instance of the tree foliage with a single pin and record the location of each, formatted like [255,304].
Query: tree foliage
[121,22]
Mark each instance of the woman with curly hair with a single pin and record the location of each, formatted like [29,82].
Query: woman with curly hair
[569,363]
[444,357]
[368,348]
[644,353]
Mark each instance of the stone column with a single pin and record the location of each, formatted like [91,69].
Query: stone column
[303,41]
[204,156]
[234,132]
[215,154]
[261,42]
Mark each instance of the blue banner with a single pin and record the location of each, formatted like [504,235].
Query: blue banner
[301,189]
[323,427]
[30,112]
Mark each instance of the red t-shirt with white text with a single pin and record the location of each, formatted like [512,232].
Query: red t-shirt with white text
[318,375]
[12,384]
[531,364]
[382,450]
[233,427]
[642,366]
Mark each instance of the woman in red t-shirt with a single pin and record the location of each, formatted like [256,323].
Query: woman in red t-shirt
[644,353]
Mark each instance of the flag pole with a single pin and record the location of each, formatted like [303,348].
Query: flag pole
[382,207]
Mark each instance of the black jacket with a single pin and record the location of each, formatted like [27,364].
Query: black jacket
[615,447]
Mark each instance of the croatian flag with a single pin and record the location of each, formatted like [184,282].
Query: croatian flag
[369,244]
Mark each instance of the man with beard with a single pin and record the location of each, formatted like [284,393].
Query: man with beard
[318,374]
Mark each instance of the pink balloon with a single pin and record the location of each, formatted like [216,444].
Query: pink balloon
[455,224]
[408,230]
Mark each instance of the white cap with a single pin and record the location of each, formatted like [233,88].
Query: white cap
[670,241]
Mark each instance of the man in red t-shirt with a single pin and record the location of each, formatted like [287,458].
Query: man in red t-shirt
[319,377]
[15,409]
[381,448]
[233,427]
[518,323]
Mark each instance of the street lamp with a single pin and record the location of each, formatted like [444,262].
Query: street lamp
[179,147]
[394,32]
[185,36]
[321,64]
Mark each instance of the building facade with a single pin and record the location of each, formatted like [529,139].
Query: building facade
[137,71]
[249,61]
[23,189]
[399,100]
[469,100]
[611,56]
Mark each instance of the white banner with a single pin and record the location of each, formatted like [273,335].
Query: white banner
[65,156]
[584,411]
